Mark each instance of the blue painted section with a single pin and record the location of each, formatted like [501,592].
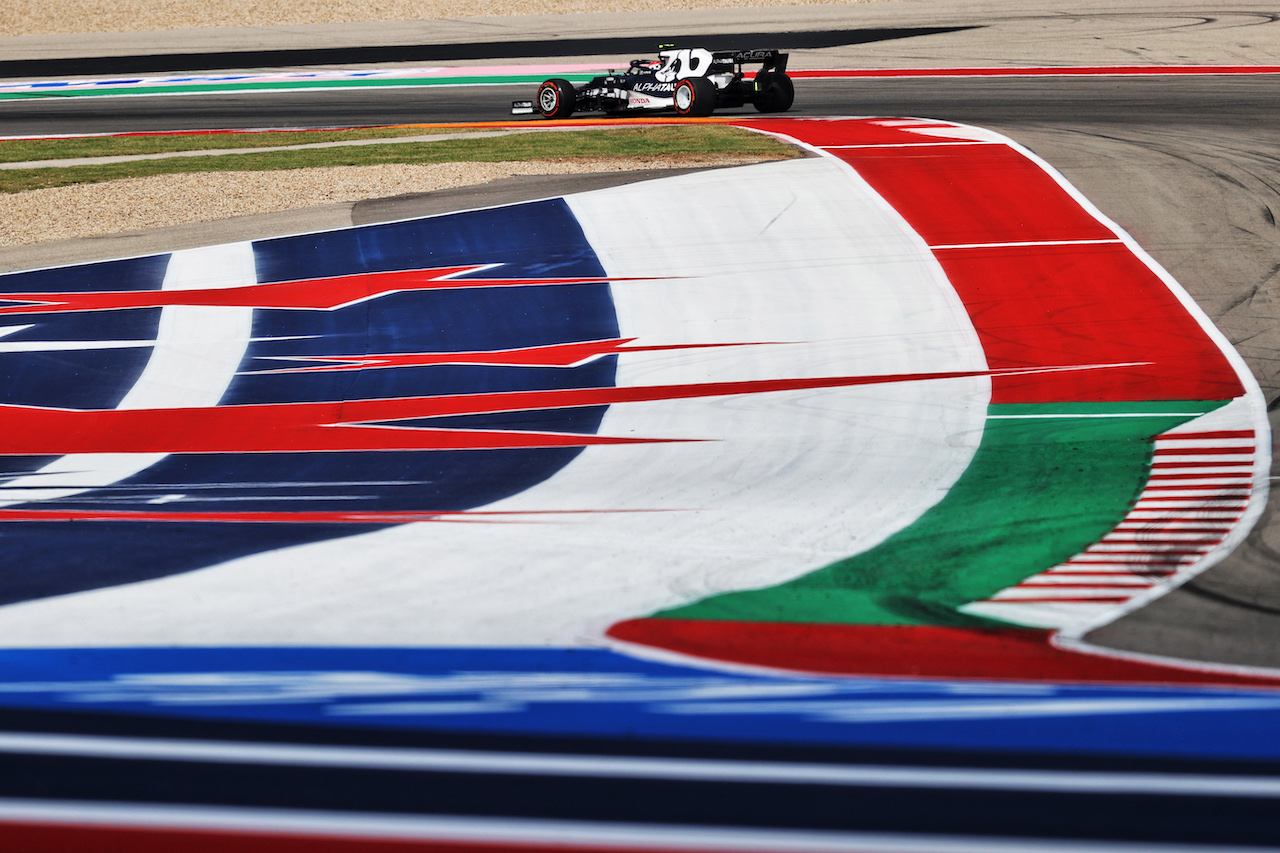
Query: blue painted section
[538,240]
[592,692]
[528,691]
[87,379]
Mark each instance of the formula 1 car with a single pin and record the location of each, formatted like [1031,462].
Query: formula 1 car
[692,81]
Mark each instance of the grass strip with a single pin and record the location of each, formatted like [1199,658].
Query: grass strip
[1037,492]
[23,150]
[704,140]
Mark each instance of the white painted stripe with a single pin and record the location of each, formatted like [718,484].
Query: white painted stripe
[1177,523]
[626,767]
[1014,593]
[1165,512]
[922,144]
[1051,580]
[1189,487]
[1151,560]
[1190,505]
[520,832]
[1040,614]
[1190,474]
[1165,441]
[1103,571]
[194,358]
[1173,497]
[69,346]
[1155,538]
[1175,457]
[1022,244]
[1179,489]
[1121,564]
[864,295]
[1105,547]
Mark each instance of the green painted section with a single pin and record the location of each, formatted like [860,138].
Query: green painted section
[1046,482]
[289,85]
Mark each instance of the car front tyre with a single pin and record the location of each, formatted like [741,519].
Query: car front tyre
[695,97]
[556,98]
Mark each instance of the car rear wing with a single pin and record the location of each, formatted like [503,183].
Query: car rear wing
[770,60]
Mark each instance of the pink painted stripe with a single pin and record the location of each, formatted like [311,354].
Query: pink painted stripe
[1043,71]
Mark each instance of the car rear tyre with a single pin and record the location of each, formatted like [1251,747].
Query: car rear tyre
[556,98]
[774,92]
[695,97]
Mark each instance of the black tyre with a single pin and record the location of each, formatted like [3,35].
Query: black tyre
[695,97]
[774,92]
[556,98]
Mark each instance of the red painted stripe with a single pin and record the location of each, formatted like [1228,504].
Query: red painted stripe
[1204,451]
[33,837]
[1230,488]
[1244,464]
[1146,543]
[1193,512]
[828,132]
[903,650]
[1010,291]
[551,355]
[975,194]
[1102,303]
[1033,584]
[1043,71]
[1242,476]
[1164,573]
[46,838]
[321,294]
[1163,560]
[1206,500]
[1174,525]
[1208,436]
[1163,552]
[361,425]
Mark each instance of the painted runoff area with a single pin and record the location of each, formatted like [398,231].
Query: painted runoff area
[844,450]
[301,81]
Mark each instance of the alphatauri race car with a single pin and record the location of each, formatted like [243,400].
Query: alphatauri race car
[692,81]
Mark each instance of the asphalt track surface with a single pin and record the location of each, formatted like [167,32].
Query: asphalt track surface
[1184,163]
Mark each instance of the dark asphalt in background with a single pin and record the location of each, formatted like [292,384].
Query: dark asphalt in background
[1189,165]
[1135,102]
[353,56]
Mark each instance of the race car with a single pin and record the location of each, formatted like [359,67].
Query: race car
[692,81]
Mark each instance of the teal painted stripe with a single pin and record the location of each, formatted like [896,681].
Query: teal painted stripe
[289,85]
[1039,491]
